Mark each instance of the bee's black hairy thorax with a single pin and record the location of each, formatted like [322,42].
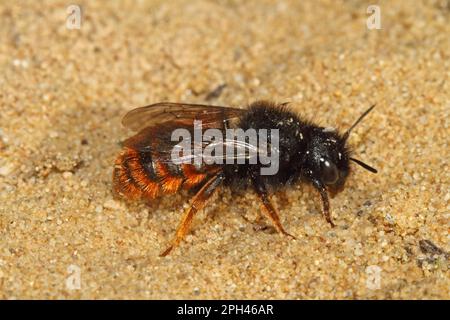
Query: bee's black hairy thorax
[293,133]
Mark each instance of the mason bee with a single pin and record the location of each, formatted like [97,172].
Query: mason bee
[304,152]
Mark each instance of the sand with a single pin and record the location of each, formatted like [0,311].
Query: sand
[64,91]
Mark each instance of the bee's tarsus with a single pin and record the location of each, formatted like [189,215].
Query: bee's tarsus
[166,252]
[325,201]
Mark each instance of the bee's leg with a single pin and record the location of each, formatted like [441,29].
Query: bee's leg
[198,203]
[325,202]
[268,208]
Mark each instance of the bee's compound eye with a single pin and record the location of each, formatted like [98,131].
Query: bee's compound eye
[330,174]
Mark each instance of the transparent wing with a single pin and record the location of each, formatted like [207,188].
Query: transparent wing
[222,150]
[166,148]
[216,152]
[158,113]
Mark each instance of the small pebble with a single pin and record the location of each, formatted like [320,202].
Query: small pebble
[6,169]
[67,175]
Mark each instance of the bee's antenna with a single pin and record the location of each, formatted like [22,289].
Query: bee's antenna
[364,165]
[347,133]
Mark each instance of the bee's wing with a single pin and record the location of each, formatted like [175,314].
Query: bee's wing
[228,150]
[158,140]
[232,149]
[158,113]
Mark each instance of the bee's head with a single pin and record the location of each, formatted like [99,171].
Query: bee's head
[327,159]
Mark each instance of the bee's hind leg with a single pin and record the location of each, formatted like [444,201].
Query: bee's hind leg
[268,208]
[198,202]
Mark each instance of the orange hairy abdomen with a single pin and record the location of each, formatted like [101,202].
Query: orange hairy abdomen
[138,174]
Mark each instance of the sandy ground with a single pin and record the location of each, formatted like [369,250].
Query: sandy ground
[63,93]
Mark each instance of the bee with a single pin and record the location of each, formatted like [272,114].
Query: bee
[145,169]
